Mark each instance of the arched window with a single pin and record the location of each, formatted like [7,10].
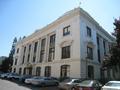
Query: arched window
[38,71]
[48,71]
[14,70]
[65,71]
[20,70]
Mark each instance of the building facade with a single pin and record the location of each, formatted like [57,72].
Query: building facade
[71,46]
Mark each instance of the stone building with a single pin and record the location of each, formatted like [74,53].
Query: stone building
[71,46]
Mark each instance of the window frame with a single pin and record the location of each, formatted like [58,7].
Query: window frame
[66,30]
[66,52]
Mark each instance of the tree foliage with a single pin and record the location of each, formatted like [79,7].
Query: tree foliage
[114,58]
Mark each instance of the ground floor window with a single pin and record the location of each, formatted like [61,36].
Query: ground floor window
[48,71]
[38,71]
[14,70]
[24,71]
[27,71]
[90,72]
[65,71]
[20,70]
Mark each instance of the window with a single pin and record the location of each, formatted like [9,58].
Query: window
[35,47]
[29,48]
[98,51]
[51,54]
[99,59]
[65,52]
[66,30]
[104,46]
[28,57]
[24,50]
[89,31]
[34,57]
[90,72]
[30,71]
[24,71]
[23,59]
[89,53]
[65,71]
[51,48]
[16,61]
[47,71]
[17,50]
[42,52]
[20,70]
[29,53]
[14,70]
[24,55]
[38,71]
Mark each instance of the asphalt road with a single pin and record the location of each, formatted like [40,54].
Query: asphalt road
[13,85]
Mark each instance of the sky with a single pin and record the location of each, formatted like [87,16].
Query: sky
[20,18]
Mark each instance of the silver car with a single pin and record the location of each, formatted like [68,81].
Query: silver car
[44,81]
[111,85]
[68,84]
[88,85]
[29,80]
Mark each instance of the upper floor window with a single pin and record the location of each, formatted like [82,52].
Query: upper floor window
[24,50]
[43,43]
[89,53]
[35,47]
[29,47]
[42,52]
[89,32]
[16,61]
[104,46]
[66,30]
[65,52]
[52,40]
[51,48]
[98,41]
[17,50]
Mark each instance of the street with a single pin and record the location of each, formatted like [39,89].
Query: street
[12,85]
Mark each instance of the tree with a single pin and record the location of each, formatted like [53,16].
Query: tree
[113,60]
[7,63]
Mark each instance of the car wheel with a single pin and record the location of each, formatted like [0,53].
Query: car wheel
[56,84]
[72,88]
[43,84]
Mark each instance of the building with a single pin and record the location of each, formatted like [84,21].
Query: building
[71,46]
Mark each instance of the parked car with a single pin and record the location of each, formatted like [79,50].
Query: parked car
[23,77]
[29,80]
[68,84]
[45,81]
[14,76]
[88,85]
[111,85]
[4,75]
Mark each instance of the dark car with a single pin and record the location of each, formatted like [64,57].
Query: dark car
[23,77]
[13,76]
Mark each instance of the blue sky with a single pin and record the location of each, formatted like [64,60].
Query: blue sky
[23,17]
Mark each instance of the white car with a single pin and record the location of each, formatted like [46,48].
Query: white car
[45,81]
[29,80]
[111,85]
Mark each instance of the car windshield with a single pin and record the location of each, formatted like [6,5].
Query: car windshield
[115,84]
